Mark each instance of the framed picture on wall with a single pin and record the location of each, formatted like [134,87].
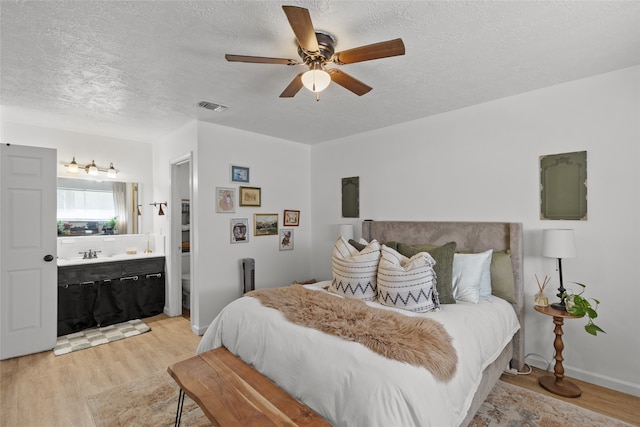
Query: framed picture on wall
[225,199]
[265,224]
[239,174]
[240,230]
[285,242]
[563,186]
[250,196]
[291,218]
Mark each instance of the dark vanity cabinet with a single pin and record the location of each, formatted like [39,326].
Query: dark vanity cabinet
[104,293]
[143,281]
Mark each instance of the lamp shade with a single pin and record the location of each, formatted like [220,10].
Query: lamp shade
[73,166]
[92,169]
[111,172]
[316,80]
[558,243]
[346,231]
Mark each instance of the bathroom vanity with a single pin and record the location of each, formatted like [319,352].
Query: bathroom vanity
[104,291]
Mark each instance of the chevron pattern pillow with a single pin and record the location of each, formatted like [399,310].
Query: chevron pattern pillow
[354,272]
[407,283]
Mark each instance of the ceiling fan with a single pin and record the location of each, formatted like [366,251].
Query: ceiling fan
[317,49]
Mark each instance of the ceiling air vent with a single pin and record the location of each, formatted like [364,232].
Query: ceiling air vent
[212,106]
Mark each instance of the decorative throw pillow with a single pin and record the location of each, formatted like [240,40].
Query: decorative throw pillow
[358,245]
[354,272]
[443,255]
[362,243]
[502,283]
[469,271]
[406,283]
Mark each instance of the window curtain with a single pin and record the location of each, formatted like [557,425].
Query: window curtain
[119,200]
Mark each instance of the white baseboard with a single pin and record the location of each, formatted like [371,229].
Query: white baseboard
[590,377]
[199,330]
[603,381]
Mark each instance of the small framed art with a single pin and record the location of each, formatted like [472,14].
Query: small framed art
[265,224]
[250,196]
[225,199]
[285,243]
[239,230]
[291,218]
[239,174]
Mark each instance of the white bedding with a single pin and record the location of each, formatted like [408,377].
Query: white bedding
[350,385]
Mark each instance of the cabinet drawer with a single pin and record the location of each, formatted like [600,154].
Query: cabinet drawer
[142,266]
[88,273]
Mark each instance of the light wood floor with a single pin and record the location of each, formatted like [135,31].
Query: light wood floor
[44,390]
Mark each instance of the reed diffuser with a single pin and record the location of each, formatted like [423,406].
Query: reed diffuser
[540,299]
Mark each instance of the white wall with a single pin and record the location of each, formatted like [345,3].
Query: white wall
[130,158]
[177,145]
[481,163]
[280,168]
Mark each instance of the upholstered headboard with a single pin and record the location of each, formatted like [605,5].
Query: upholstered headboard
[470,237]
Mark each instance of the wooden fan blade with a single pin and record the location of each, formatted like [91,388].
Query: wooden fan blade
[369,52]
[260,59]
[302,27]
[348,82]
[293,88]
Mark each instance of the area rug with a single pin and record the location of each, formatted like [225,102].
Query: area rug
[97,336]
[509,405]
[149,401]
[152,401]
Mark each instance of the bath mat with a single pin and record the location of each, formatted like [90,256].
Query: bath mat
[97,336]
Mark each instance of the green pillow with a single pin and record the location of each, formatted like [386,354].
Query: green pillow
[359,246]
[443,255]
[502,284]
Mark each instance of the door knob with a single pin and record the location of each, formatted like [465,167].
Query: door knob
[48,258]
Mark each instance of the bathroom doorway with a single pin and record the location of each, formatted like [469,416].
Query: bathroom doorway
[181,231]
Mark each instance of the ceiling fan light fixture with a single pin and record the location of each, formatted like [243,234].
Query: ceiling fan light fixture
[316,80]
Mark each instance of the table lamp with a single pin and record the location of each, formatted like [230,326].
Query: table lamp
[559,243]
[346,231]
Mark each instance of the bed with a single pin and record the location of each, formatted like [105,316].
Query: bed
[351,385]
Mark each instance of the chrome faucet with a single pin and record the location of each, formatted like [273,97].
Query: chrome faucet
[91,254]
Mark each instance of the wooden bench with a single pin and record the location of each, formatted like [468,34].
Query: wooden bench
[232,393]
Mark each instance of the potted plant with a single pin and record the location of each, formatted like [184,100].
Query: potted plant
[580,306]
[110,226]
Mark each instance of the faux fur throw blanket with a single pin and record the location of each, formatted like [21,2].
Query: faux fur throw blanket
[418,341]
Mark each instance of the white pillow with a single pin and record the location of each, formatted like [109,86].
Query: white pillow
[485,279]
[354,272]
[472,276]
[407,283]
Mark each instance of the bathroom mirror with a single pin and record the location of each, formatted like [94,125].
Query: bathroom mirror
[89,207]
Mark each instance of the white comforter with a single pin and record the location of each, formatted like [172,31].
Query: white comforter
[350,385]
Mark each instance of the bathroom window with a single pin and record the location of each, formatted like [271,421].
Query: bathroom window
[85,205]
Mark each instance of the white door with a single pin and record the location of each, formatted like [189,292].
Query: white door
[28,270]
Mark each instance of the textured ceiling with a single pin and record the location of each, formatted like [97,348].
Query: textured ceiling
[137,69]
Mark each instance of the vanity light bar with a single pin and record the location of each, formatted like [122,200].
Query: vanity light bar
[91,169]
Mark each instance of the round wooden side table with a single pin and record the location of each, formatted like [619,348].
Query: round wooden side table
[557,384]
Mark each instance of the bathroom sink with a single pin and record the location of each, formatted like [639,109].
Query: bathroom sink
[62,262]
